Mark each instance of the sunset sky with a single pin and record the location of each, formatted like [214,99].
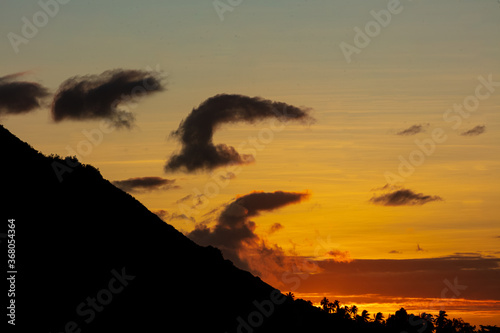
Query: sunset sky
[396,179]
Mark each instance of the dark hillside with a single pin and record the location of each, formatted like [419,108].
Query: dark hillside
[71,235]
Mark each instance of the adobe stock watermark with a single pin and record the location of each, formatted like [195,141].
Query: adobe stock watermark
[372,29]
[30,28]
[223,6]
[452,290]
[263,309]
[95,136]
[266,308]
[218,180]
[301,271]
[89,308]
[455,115]
[425,319]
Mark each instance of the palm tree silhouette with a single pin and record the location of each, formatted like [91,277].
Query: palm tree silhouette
[342,312]
[354,311]
[460,326]
[379,318]
[428,326]
[346,312]
[442,323]
[365,316]
[324,303]
[335,305]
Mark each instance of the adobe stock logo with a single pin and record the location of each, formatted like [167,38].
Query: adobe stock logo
[456,115]
[93,305]
[373,28]
[264,309]
[221,7]
[29,30]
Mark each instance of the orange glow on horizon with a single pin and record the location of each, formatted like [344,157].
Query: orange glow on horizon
[475,312]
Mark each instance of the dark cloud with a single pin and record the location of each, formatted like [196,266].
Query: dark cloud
[386,187]
[478,130]
[166,216]
[275,227]
[234,228]
[176,216]
[395,252]
[340,256]
[234,233]
[409,277]
[187,197]
[192,203]
[196,131]
[412,130]
[228,176]
[101,96]
[144,184]
[467,255]
[163,214]
[18,97]
[403,197]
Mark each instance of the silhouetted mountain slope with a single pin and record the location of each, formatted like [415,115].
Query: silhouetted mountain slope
[83,238]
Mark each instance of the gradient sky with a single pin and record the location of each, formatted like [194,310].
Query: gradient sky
[428,58]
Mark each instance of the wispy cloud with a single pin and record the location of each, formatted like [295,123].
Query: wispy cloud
[340,256]
[478,130]
[198,152]
[163,214]
[176,216]
[275,228]
[412,130]
[144,184]
[227,176]
[403,197]
[185,198]
[18,97]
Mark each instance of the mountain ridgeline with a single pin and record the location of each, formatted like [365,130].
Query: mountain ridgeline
[91,258]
